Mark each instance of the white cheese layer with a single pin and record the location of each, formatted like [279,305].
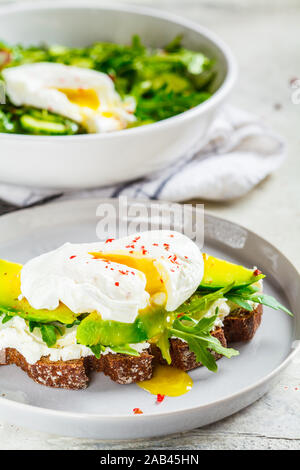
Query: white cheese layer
[15,334]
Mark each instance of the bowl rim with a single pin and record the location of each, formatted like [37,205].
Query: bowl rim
[210,103]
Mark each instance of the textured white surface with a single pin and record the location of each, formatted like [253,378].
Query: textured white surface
[267,54]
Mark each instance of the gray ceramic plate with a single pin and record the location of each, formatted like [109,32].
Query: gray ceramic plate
[104,409]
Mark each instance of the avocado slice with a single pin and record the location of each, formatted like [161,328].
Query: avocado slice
[93,330]
[219,273]
[10,290]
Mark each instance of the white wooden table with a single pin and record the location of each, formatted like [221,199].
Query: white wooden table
[264,35]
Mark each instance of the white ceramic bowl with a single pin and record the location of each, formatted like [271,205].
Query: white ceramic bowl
[87,161]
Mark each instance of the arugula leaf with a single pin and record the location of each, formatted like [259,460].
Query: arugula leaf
[240,295]
[241,301]
[199,348]
[270,301]
[48,334]
[49,331]
[97,349]
[32,325]
[197,305]
[199,339]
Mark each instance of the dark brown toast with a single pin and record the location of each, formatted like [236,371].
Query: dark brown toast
[181,356]
[122,368]
[71,374]
[241,325]
[74,374]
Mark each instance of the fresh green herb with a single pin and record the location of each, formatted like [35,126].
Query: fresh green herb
[199,339]
[198,304]
[97,349]
[240,296]
[269,301]
[49,331]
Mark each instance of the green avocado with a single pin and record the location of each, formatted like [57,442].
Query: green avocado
[93,330]
[219,273]
[10,304]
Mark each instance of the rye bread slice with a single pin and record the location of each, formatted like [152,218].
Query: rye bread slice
[124,369]
[181,356]
[72,375]
[75,374]
[241,325]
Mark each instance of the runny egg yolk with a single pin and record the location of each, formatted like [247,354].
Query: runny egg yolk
[167,380]
[84,97]
[155,284]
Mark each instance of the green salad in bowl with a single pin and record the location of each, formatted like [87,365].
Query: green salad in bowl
[58,90]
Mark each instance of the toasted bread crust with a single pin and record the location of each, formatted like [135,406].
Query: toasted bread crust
[181,356]
[71,374]
[241,325]
[75,374]
[124,369]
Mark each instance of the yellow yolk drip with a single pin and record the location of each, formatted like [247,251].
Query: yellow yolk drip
[167,381]
[137,261]
[83,97]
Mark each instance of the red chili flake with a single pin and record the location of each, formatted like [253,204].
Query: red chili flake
[112,269]
[131,252]
[160,398]
[117,284]
[129,246]
[136,239]
[296,388]
[257,272]
[172,236]
[155,244]
[162,281]
[132,272]
[186,257]
[123,272]
[73,256]
[137,411]
[144,252]
[109,240]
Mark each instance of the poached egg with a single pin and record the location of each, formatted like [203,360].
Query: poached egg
[116,278]
[86,96]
